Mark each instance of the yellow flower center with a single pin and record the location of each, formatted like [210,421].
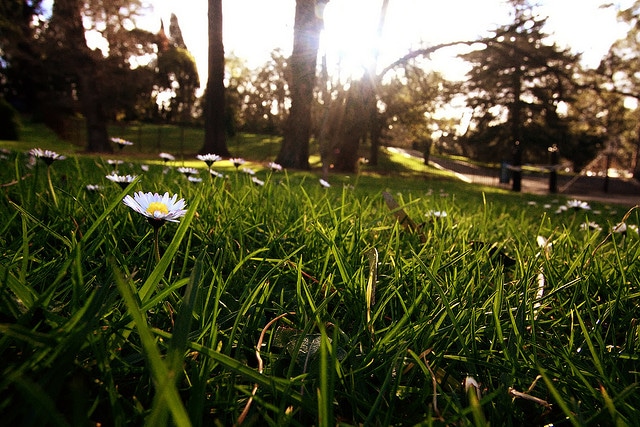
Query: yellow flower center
[157,207]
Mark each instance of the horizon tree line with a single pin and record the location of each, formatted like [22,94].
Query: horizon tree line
[521,87]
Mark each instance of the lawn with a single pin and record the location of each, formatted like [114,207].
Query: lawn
[379,299]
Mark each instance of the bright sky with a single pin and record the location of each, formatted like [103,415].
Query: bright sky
[253,28]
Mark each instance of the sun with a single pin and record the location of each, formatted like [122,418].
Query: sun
[349,37]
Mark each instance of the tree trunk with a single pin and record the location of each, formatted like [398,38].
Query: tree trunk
[96,120]
[349,128]
[364,116]
[215,141]
[294,151]
[67,21]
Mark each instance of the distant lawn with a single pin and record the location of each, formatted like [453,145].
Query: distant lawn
[409,174]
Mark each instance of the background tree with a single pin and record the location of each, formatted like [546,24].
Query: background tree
[259,98]
[82,67]
[351,115]
[178,75]
[177,67]
[215,140]
[410,104]
[514,87]
[372,82]
[22,72]
[294,151]
[620,74]
[91,82]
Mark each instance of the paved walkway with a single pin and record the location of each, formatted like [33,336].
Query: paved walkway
[619,191]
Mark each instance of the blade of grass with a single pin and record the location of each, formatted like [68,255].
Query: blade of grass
[592,349]
[42,225]
[325,391]
[164,377]
[112,205]
[282,385]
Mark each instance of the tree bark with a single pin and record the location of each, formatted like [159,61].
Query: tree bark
[350,128]
[294,151]
[67,21]
[215,140]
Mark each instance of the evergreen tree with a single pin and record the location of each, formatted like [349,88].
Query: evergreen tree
[514,87]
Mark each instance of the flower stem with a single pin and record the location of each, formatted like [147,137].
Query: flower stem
[53,193]
[156,244]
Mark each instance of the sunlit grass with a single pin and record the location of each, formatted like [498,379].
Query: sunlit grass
[293,304]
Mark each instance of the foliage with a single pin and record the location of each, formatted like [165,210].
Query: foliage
[178,67]
[618,77]
[293,304]
[514,87]
[411,102]
[21,69]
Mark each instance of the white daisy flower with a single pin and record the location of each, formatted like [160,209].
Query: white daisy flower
[275,166]
[561,208]
[620,228]
[188,171]
[167,157]
[121,180]
[324,183]
[121,143]
[216,174]
[578,205]
[436,214]
[209,159]
[145,168]
[237,161]
[115,162]
[248,171]
[92,188]
[47,156]
[591,225]
[544,244]
[156,208]
[194,179]
[623,228]
[257,181]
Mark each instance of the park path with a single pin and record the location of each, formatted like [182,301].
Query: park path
[619,190]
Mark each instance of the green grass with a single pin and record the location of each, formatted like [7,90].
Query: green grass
[357,319]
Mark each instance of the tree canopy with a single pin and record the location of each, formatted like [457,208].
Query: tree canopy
[521,87]
[515,87]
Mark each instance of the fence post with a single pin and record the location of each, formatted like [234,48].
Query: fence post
[517,167]
[553,172]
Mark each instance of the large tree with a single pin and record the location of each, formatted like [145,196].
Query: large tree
[70,45]
[95,77]
[294,151]
[514,87]
[215,139]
